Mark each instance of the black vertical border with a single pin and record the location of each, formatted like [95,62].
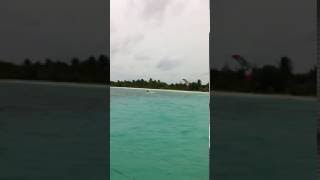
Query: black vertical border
[318,89]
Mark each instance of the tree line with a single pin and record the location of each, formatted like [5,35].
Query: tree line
[271,79]
[90,70]
[268,79]
[157,84]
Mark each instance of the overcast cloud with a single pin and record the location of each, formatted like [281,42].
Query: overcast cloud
[56,29]
[160,39]
[175,36]
[263,31]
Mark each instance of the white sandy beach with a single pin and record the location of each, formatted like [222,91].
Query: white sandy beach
[164,90]
[223,93]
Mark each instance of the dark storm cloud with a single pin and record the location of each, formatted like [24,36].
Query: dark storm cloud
[57,29]
[263,31]
[168,64]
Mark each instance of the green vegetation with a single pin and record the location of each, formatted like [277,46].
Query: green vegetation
[90,70]
[157,84]
[267,79]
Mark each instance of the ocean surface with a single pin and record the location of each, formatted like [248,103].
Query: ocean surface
[53,131]
[159,135]
[164,135]
[259,137]
[59,131]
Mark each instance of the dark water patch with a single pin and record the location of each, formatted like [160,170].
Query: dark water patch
[14,178]
[3,151]
[7,108]
[48,132]
[16,108]
[44,135]
[256,140]
[3,126]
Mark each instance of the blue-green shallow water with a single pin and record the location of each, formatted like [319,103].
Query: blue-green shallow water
[160,135]
[263,138]
[53,132]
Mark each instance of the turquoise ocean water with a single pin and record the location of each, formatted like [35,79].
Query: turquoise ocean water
[164,135]
[58,131]
[159,135]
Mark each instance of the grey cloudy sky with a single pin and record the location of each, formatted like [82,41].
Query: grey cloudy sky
[168,39]
[264,30]
[161,39]
[57,29]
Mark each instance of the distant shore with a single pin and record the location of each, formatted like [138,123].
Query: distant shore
[168,90]
[225,93]
[55,83]
[279,96]
[98,85]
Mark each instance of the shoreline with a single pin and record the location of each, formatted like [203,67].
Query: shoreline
[167,90]
[226,93]
[97,85]
[278,96]
[55,83]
